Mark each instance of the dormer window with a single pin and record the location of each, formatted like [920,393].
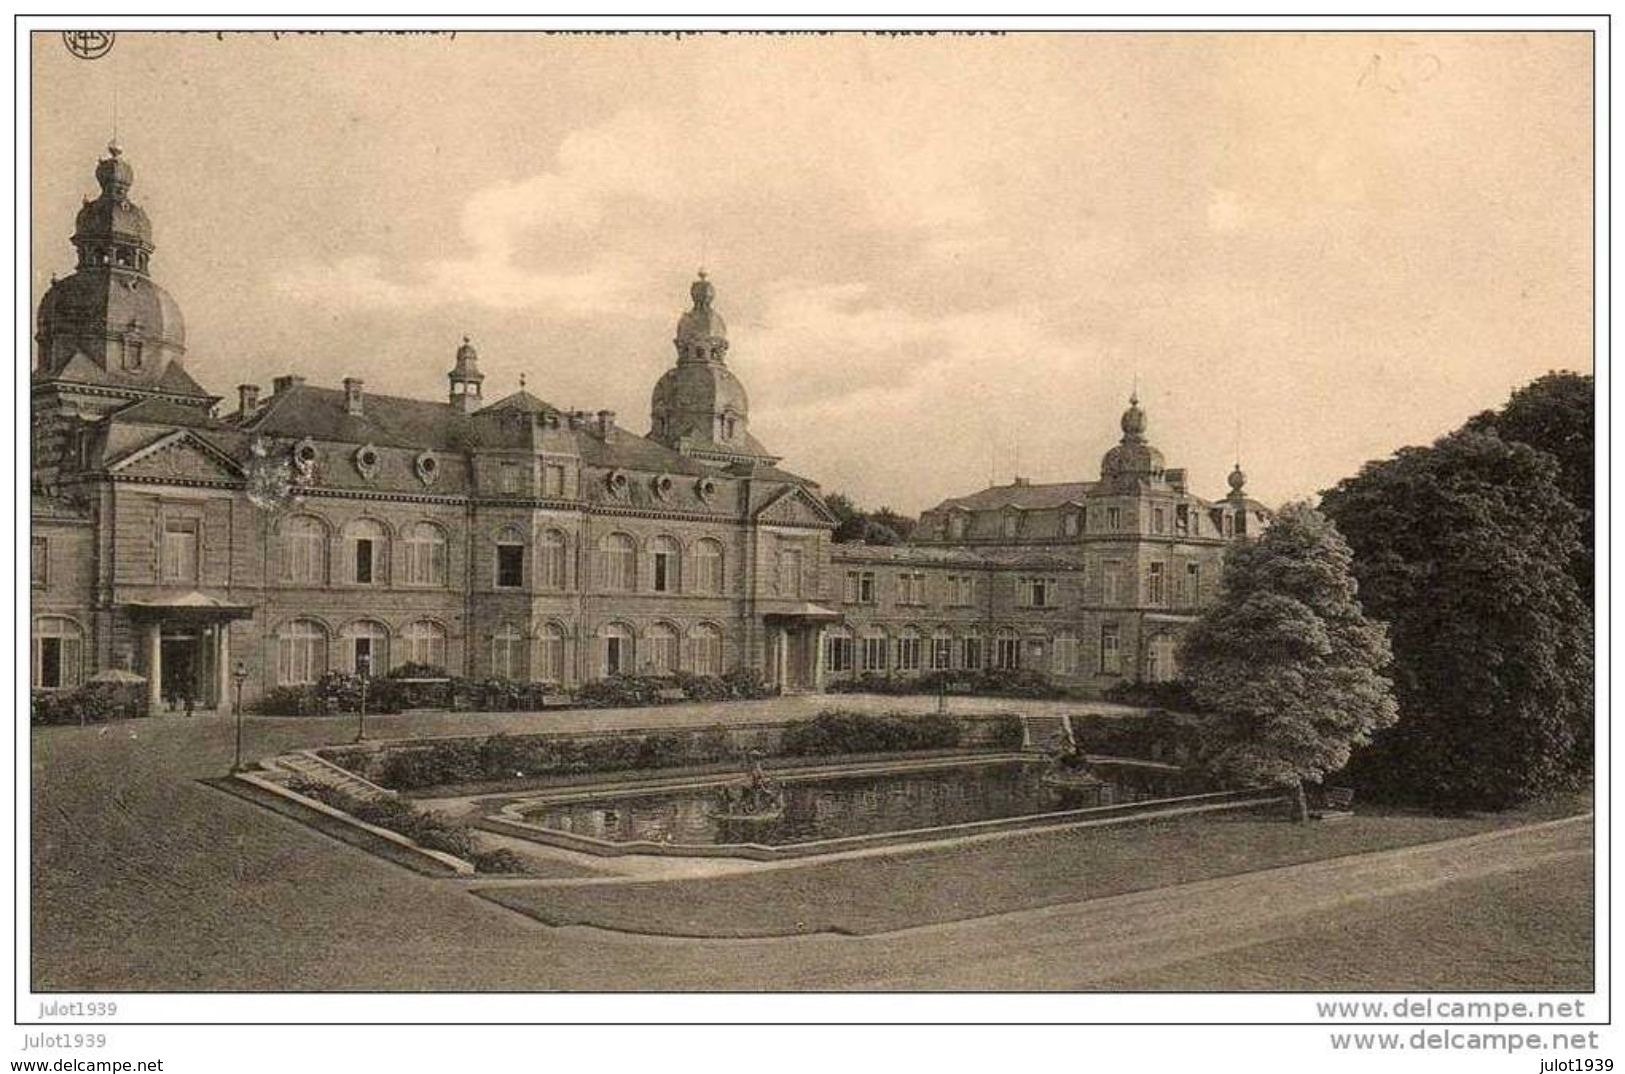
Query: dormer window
[1011,524]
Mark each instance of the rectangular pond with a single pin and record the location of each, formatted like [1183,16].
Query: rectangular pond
[839,805]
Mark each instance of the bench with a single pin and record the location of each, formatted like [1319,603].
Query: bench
[671,693]
[1337,803]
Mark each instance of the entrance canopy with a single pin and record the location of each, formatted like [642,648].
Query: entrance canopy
[798,614]
[189,608]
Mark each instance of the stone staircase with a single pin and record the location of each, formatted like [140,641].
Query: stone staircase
[316,770]
[1046,734]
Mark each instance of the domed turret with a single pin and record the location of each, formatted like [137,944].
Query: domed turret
[1132,460]
[702,335]
[110,310]
[466,379]
[698,405]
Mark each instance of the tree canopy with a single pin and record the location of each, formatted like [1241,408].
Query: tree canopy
[1285,668]
[1555,414]
[884,526]
[1465,548]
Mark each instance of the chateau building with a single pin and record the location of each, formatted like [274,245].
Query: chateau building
[316,528]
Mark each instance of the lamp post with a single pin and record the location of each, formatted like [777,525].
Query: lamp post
[363,665]
[239,675]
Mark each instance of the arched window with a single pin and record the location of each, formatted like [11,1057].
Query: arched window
[660,649]
[507,653]
[304,550]
[301,652]
[550,653]
[551,553]
[942,649]
[510,561]
[425,554]
[615,642]
[59,653]
[425,643]
[665,565]
[707,645]
[970,652]
[618,566]
[874,649]
[365,646]
[1007,650]
[908,650]
[707,566]
[366,550]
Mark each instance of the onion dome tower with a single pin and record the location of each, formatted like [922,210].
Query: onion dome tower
[110,314]
[466,379]
[1133,461]
[699,407]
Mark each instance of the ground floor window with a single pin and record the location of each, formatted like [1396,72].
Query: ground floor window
[908,653]
[365,648]
[550,654]
[617,650]
[1007,654]
[970,654]
[661,649]
[58,653]
[507,653]
[1111,653]
[1159,659]
[707,641]
[874,652]
[301,652]
[425,643]
[942,652]
[1066,655]
[838,651]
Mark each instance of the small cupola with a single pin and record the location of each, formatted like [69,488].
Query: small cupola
[466,379]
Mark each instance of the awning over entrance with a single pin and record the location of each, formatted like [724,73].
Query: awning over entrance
[187,608]
[806,612]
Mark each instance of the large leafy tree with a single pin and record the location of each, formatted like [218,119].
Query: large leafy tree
[1556,414]
[884,526]
[1465,549]
[1285,668]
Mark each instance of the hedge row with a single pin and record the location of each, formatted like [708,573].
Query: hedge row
[429,830]
[991,682]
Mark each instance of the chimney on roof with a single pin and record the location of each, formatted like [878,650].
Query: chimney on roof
[248,399]
[1021,482]
[352,395]
[606,422]
[283,383]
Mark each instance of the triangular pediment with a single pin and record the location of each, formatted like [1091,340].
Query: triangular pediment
[180,456]
[795,506]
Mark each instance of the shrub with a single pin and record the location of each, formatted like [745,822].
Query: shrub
[92,703]
[1163,695]
[287,701]
[1173,738]
[747,684]
[1007,731]
[500,860]
[993,682]
[839,731]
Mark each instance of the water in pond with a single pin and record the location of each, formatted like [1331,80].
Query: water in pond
[835,806]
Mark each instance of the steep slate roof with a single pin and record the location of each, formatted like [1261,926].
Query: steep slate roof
[1029,497]
[523,402]
[385,420]
[164,412]
[81,369]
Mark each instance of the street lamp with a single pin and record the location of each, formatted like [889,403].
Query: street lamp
[363,665]
[239,675]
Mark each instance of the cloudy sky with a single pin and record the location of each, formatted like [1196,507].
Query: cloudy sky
[940,258]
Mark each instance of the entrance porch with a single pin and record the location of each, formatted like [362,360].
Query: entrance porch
[184,647]
[795,647]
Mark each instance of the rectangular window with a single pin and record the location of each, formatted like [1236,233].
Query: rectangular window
[971,654]
[1193,583]
[838,654]
[39,564]
[908,654]
[961,591]
[1111,657]
[790,566]
[553,480]
[1036,592]
[1065,657]
[1182,519]
[874,654]
[363,560]
[180,550]
[57,662]
[911,589]
[1111,582]
[1114,518]
[1154,584]
[663,572]
[510,566]
[510,479]
[1159,520]
[860,587]
[1008,653]
[942,653]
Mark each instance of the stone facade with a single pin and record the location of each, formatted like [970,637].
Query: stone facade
[317,528]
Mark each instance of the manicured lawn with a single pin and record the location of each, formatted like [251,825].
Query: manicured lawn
[862,896]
